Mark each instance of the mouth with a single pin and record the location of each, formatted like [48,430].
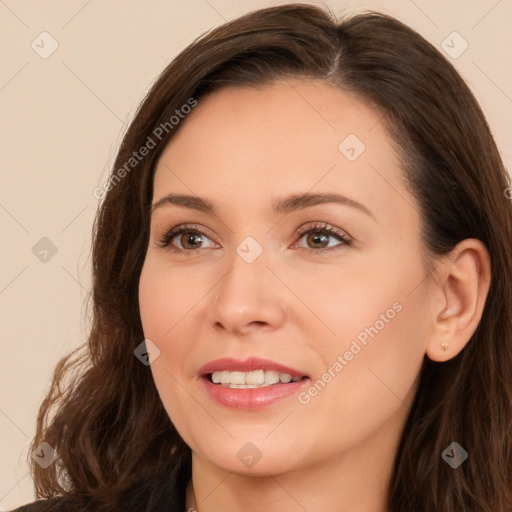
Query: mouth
[253,371]
[252,379]
[252,384]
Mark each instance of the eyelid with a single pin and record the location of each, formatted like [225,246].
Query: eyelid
[321,225]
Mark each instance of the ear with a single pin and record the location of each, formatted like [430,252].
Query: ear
[460,285]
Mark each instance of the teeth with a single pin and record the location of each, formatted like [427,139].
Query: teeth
[257,377]
[237,378]
[272,377]
[254,379]
[284,377]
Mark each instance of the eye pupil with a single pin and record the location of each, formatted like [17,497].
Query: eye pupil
[316,238]
[190,239]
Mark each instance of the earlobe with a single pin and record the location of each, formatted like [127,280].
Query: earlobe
[462,281]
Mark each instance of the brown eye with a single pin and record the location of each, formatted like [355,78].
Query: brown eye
[317,238]
[184,239]
[189,240]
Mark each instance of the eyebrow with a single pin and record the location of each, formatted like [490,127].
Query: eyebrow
[281,206]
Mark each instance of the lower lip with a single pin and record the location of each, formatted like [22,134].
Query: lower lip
[252,398]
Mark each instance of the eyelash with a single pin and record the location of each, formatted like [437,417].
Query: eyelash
[166,239]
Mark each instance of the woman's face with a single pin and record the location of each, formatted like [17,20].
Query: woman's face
[260,277]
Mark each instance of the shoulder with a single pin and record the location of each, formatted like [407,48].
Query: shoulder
[165,491]
[66,503]
[52,505]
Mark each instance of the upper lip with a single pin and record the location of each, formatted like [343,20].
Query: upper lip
[248,365]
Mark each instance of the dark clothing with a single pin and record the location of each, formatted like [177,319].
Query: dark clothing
[163,494]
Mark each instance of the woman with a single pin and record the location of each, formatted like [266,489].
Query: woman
[302,268]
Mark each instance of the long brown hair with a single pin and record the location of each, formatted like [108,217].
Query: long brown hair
[103,414]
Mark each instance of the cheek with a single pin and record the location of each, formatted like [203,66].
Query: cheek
[358,304]
[156,301]
[165,297]
[159,306]
[166,303]
[163,310]
[379,317]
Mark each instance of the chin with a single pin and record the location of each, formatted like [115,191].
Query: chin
[254,454]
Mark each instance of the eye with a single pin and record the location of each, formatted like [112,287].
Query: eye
[188,239]
[319,234]
[183,238]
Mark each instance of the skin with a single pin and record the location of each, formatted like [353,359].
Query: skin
[241,149]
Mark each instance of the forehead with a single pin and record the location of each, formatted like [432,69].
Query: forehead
[310,116]
[291,136]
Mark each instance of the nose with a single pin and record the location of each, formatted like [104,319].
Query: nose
[248,299]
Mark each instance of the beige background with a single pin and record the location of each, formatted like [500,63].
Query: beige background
[62,120]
